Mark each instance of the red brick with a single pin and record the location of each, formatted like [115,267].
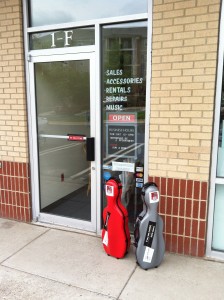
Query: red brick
[174,244]
[195,209]
[187,245]
[26,200]
[181,226]
[187,227]
[22,202]
[4,164]
[169,206]
[8,168]
[194,247]
[25,186]
[7,211]
[17,200]
[157,182]
[174,225]
[188,212]
[168,228]
[180,241]
[16,169]
[168,242]
[176,187]
[196,189]
[175,210]
[18,213]
[203,205]
[10,198]
[27,215]
[189,189]
[162,205]
[3,210]
[151,179]
[183,184]
[202,229]
[201,248]
[20,170]
[204,190]
[170,187]
[194,227]
[182,208]
[163,186]
[2,196]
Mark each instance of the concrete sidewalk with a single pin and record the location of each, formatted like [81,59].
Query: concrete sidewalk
[45,263]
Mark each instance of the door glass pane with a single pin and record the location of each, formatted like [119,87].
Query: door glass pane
[63,107]
[218,225]
[123,109]
[220,163]
[45,12]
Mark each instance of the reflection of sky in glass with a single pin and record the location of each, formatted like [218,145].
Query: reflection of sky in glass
[46,12]
[127,25]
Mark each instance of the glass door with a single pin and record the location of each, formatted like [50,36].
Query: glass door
[64,97]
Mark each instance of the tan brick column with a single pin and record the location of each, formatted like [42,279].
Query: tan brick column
[14,169]
[184,58]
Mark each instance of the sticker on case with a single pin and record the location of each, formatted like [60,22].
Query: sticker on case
[154,197]
[148,254]
[109,190]
[105,238]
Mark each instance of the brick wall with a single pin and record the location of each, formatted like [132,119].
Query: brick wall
[184,58]
[13,115]
[183,208]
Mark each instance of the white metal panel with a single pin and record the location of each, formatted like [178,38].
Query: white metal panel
[213,179]
[98,127]
[33,142]
[61,51]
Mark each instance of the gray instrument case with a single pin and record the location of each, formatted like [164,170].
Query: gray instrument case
[148,234]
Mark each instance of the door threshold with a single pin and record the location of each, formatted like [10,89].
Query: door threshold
[64,228]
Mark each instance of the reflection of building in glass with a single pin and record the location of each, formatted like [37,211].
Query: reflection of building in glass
[126,48]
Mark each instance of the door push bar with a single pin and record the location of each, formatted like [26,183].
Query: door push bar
[90,144]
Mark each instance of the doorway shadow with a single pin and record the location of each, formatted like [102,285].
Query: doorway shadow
[75,205]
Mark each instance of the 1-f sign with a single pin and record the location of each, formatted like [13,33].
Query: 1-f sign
[68,35]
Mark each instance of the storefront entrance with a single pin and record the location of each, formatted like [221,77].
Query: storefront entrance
[64,90]
[88,116]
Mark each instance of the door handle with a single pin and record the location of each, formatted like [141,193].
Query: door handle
[90,149]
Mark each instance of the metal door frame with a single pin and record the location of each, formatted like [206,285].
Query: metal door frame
[80,53]
[214,179]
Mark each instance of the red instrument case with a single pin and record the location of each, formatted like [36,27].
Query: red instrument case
[115,233]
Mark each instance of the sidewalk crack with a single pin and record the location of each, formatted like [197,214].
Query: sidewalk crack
[37,237]
[127,282]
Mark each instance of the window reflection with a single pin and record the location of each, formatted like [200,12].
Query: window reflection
[45,12]
[218,226]
[123,109]
[63,107]
[220,165]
